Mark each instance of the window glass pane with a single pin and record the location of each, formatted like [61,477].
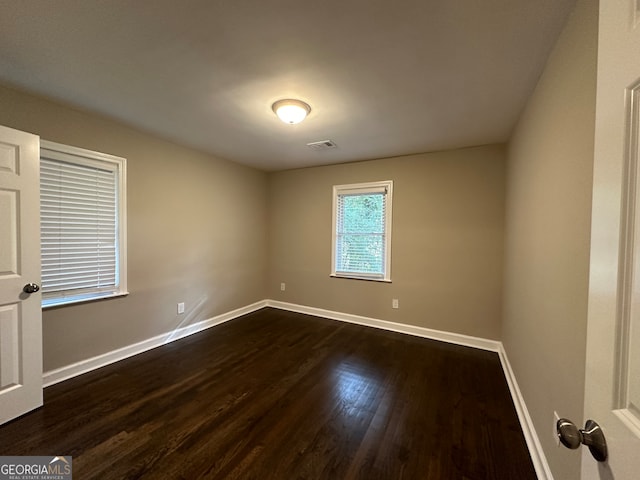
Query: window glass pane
[360,233]
[79,220]
[362,213]
[360,236]
[78,226]
[360,253]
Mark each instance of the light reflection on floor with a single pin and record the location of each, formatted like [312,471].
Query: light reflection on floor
[356,388]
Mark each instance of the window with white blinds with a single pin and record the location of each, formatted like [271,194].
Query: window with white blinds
[361,246]
[82,227]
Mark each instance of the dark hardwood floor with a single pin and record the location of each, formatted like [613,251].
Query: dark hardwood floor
[279,395]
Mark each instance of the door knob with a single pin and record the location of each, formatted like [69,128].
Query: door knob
[591,436]
[31,288]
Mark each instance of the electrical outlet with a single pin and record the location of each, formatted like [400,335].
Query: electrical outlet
[180,308]
[394,303]
[282,287]
[556,417]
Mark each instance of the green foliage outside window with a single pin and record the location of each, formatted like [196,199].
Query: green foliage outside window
[360,233]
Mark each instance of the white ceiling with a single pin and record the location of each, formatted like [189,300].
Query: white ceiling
[383,78]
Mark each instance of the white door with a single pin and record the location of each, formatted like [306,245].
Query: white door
[20,312]
[612,389]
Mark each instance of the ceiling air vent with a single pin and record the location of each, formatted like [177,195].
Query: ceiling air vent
[322,145]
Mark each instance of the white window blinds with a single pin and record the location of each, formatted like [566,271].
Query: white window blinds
[362,230]
[79,221]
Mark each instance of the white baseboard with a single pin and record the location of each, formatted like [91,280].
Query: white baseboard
[457,338]
[528,429]
[533,443]
[69,371]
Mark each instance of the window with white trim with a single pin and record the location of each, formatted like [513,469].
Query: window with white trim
[82,224]
[361,246]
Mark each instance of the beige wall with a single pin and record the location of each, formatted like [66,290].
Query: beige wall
[549,184]
[447,247]
[196,226]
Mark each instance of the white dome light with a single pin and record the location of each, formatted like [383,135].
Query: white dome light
[291,111]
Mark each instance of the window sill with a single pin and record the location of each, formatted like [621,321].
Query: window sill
[360,277]
[63,302]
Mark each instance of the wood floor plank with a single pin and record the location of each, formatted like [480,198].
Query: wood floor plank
[280,395]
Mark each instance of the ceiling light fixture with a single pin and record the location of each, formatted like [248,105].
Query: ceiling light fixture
[291,111]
